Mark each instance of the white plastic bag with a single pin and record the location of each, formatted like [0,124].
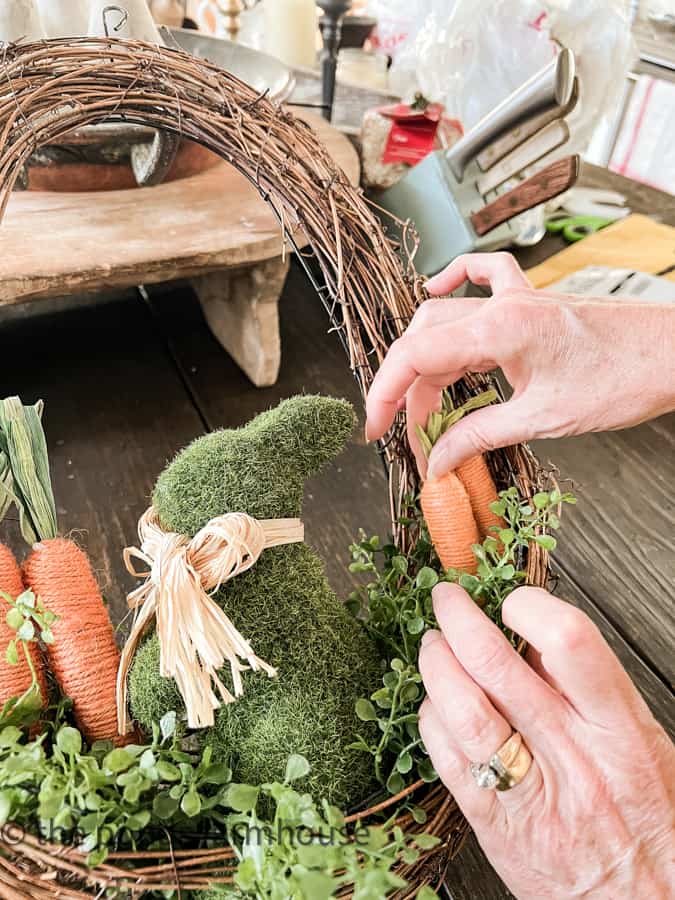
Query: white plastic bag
[471,57]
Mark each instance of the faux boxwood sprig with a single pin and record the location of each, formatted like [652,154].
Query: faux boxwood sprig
[30,621]
[107,797]
[396,607]
[302,851]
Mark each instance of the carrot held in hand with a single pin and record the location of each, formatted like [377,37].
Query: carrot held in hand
[477,480]
[83,655]
[451,522]
[456,507]
[15,677]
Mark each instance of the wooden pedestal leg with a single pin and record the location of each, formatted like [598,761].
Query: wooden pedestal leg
[241,307]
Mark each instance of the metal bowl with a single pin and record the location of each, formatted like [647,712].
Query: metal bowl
[119,155]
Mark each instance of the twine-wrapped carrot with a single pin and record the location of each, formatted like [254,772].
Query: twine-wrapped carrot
[480,486]
[456,507]
[83,656]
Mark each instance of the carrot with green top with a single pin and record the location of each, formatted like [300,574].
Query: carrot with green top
[83,655]
[456,507]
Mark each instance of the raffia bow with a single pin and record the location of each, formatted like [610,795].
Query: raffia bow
[196,637]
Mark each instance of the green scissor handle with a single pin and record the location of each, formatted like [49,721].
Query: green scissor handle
[575,228]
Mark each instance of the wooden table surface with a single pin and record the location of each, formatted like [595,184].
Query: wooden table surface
[127,383]
[60,243]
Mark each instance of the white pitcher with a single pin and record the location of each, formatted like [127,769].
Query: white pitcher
[139,24]
[20,19]
[64,18]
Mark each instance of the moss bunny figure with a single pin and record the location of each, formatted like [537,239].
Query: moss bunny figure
[283,605]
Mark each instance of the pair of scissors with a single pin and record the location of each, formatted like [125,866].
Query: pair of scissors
[575,228]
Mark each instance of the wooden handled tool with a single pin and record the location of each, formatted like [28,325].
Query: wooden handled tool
[545,185]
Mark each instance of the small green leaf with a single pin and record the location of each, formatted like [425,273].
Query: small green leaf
[395,783]
[242,797]
[167,725]
[366,711]
[97,857]
[426,578]
[191,804]
[26,632]
[426,771]
[404,763]
[416,625]
[298,767]
[541,500]
[12,654]
[14,619]
[427,841]
[69,741]
[400,564]
[547,541]
[218,773]
[397,664]
[117,761]
[165,806]
[419,815]
[507,536]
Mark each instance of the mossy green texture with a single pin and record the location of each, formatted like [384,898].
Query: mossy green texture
[283,605]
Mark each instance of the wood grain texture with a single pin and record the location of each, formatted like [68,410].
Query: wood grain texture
[55,244]
[115,411]
[619,540]
[550,181]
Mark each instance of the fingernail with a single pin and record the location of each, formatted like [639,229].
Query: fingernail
[430,637]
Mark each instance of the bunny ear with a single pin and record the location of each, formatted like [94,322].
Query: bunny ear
[309,431]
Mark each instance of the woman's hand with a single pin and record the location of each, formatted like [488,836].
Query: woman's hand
[594,816]
[575,364]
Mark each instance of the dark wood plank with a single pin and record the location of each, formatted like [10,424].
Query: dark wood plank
[471,877]
[618,541]
[658,697]
[350,494]
[115,410]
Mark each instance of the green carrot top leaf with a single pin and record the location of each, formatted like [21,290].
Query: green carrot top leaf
[440,422]
[24,470]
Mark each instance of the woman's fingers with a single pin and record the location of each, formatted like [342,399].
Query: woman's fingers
[453,767]
[498,270]
[526,702]
[572,655]
[440,353]
[499,425]
[464,727]
[477,728]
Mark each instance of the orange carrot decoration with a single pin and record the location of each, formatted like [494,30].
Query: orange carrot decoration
[83,655]
[456,507]
[15,680]
[451,523]
[476,478]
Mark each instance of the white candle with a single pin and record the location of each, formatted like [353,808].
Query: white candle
[64,18]
[20,19]
[291,31]
[139,24]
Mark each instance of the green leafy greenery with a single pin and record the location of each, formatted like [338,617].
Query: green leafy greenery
[288,846]
[396,607]
[304,850]
[28,618]
[105,797]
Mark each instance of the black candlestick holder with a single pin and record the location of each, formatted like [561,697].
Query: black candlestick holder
[331,29]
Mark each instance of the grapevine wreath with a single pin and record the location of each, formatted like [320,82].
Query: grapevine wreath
[414,826]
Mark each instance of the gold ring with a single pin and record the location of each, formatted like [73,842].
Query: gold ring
[506,768]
